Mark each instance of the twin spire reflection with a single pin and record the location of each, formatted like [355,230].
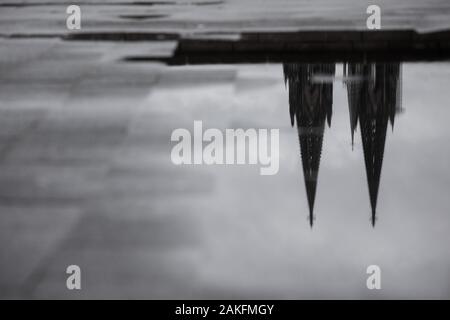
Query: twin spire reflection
[374,98]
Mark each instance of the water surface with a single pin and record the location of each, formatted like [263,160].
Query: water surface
[363,178]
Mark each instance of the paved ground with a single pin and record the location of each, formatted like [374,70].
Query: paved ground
[197,16]
[85,176]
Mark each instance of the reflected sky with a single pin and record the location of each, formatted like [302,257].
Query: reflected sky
[255,237]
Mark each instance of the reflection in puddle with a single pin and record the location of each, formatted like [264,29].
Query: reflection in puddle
[310,104]
[374,102]
[374,96]
[260,221]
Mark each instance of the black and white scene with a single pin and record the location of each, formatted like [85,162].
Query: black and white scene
[224,149]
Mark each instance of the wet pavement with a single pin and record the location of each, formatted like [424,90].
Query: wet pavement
[86,176]
[200,16]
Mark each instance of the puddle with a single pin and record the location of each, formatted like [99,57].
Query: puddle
[363,160]
[364,97]
[363,171]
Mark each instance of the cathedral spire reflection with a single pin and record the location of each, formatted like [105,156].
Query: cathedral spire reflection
[310,105]
[374,101]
